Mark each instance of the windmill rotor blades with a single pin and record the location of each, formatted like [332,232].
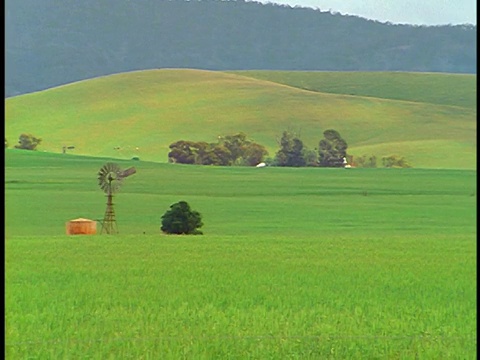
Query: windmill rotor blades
[110,177]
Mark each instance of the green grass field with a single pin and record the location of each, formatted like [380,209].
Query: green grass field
[432,88]
[430,119]
[294,263]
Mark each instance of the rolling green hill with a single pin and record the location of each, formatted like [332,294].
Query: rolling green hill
[428,118]
[433,88]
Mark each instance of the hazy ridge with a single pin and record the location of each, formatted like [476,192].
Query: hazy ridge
[50,43]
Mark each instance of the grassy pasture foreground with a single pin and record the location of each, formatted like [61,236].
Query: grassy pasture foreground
[294,263]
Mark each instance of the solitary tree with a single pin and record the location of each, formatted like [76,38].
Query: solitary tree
[181,219]
[28,142]
[332,149]
[291,151]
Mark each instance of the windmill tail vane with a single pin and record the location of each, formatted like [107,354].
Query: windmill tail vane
[128,172]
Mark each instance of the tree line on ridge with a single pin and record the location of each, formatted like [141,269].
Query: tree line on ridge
[51,43]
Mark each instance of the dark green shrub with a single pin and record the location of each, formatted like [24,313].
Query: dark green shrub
[181,219]
[366,162]
[395,161]
[28,142]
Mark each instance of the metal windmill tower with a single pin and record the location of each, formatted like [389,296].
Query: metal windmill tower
[110,178]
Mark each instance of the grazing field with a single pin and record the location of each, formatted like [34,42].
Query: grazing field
[295,263]
[430,119]
[433,88]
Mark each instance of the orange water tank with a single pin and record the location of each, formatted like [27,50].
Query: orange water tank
[81,227]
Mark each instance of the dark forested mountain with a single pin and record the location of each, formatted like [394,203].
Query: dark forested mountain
[53,42]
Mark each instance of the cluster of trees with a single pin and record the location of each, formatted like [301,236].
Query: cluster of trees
[391,161]
[26,142]
[239,150]
[332,150]
[229,150]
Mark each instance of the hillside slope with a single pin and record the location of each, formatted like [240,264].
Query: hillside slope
[433,88]
[141,113]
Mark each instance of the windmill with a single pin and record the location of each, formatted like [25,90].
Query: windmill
[110,178]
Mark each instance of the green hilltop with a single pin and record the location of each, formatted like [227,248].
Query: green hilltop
[428,118]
